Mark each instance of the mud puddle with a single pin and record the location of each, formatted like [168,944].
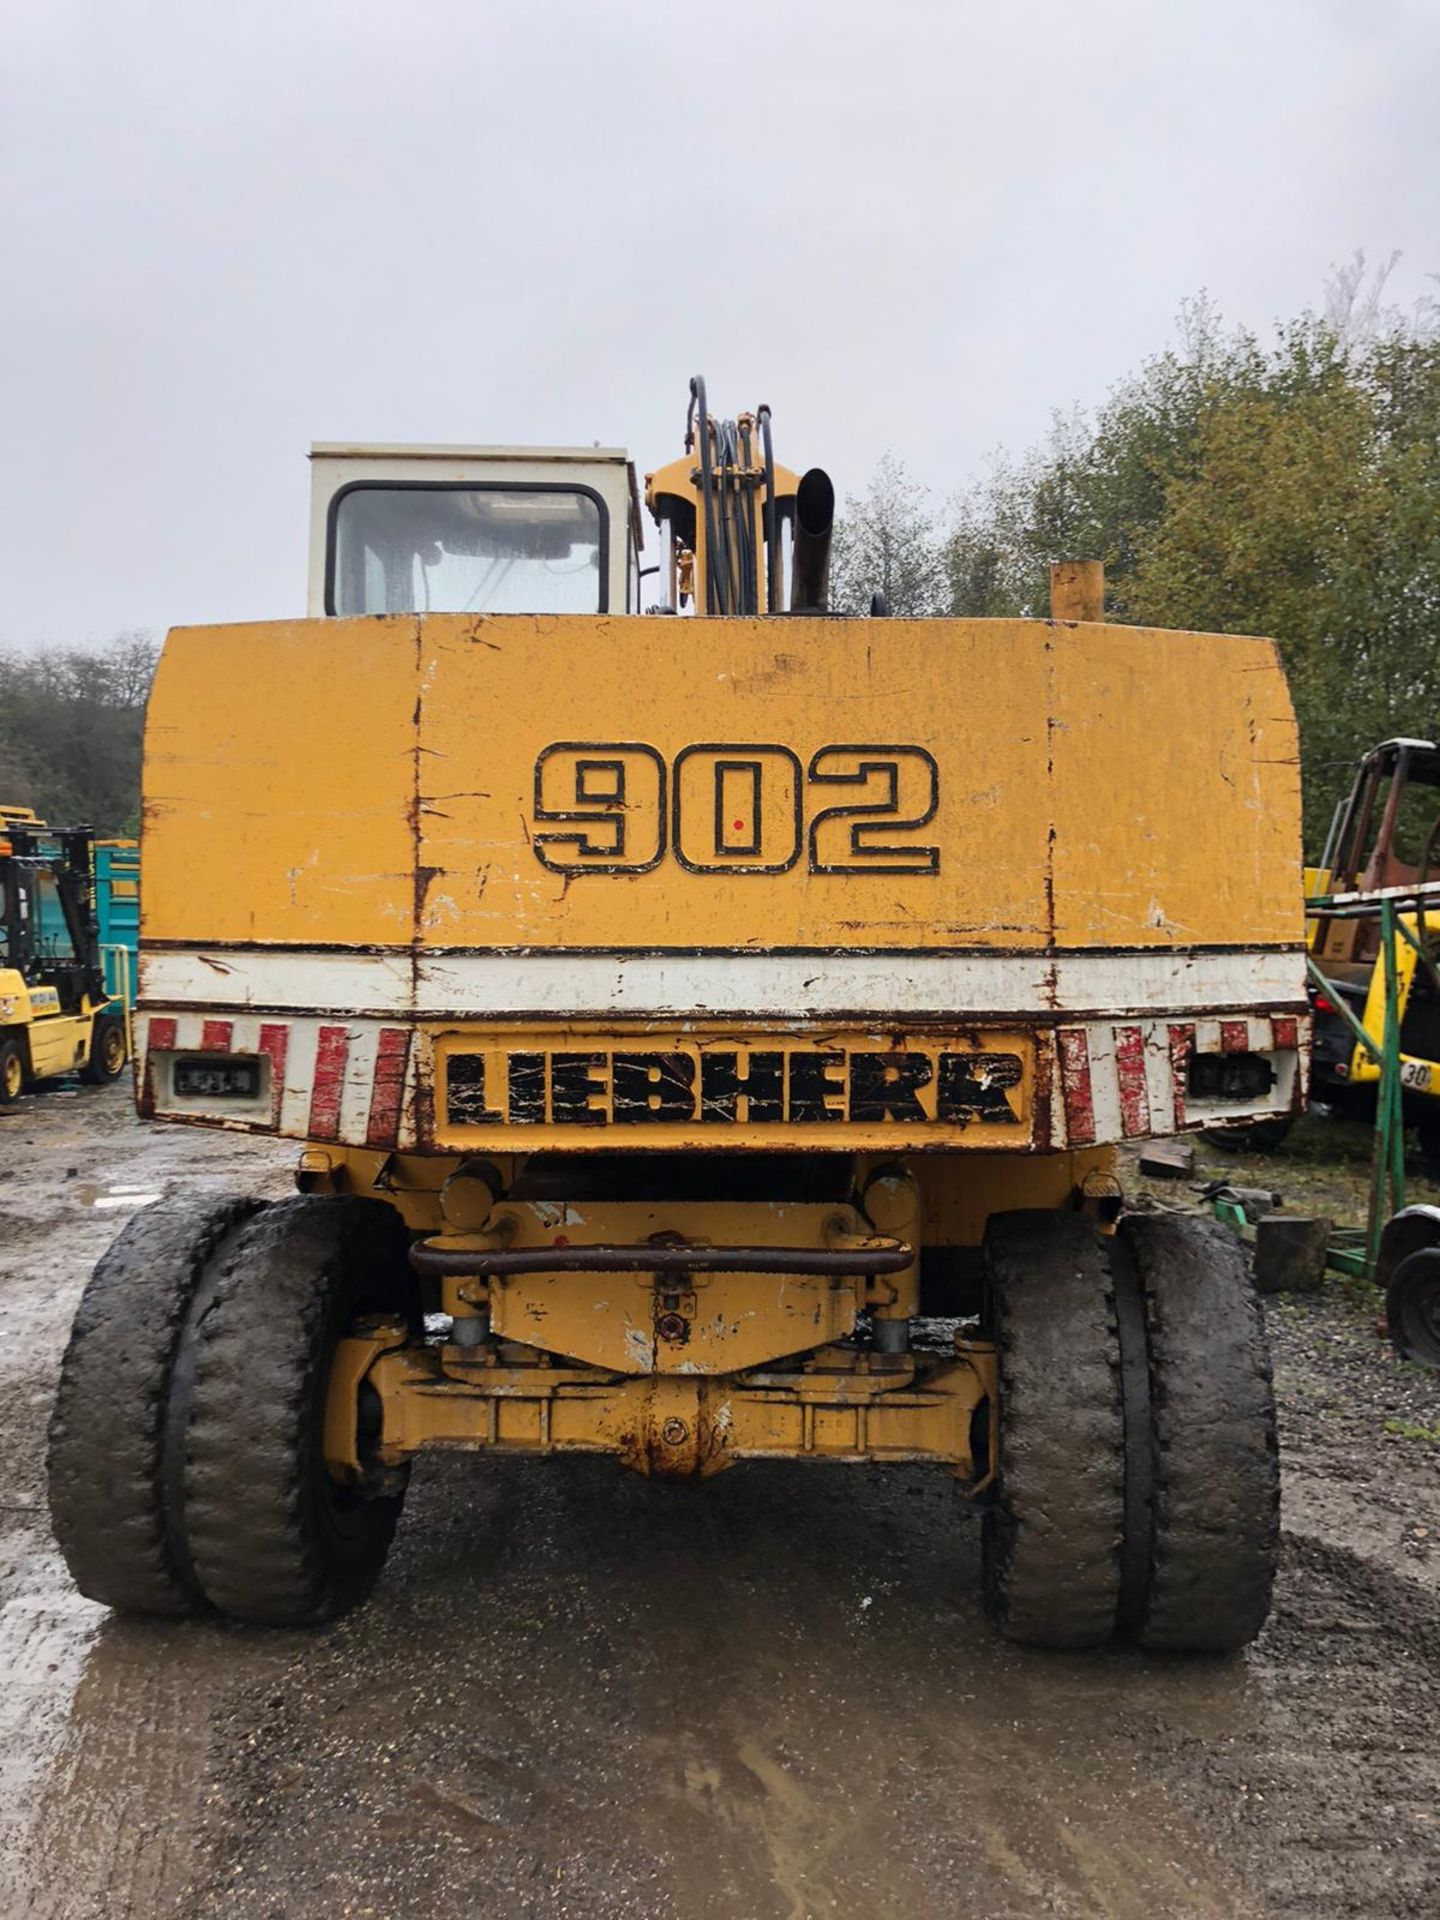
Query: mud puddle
[776,1695]
[115,1199]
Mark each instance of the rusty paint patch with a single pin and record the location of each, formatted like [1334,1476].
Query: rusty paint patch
[1182,1045]
[1042,1099]
[1075,1087]
[331,1053]
[424,1100]
[160,1039]
[274,1043]
[1130,1076]
[391,1059]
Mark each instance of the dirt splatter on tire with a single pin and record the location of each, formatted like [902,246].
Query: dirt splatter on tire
[120,1533]
[1053,1523]
[275,1540]
[1216,1516]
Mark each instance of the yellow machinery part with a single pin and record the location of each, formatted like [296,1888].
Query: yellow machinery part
[1069,759]
[842,1405]
[957,1191]
[1417,1075]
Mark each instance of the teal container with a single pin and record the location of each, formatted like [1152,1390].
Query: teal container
[117,913]
[117,908]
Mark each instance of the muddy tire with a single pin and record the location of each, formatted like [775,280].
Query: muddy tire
[1412,1307]
[275,1540]
[13,1071]
[118,1527]
[108,1052]
[1215,1516]
[1052,1528]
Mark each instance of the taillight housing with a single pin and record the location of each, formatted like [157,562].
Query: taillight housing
[1229,1076]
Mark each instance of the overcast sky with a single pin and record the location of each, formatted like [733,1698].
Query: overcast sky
[921,225]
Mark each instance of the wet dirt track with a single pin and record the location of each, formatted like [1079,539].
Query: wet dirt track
[579,1693]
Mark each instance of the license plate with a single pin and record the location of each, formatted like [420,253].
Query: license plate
[217,1079]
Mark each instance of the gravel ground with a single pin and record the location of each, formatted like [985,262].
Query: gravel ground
[576,1692]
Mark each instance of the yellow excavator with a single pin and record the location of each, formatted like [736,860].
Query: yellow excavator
[706,1024]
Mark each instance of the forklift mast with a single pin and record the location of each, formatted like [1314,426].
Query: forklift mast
[27,852]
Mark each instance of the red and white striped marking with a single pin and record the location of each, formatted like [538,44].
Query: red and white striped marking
[354,1082]
[351,1082]
[1126,1080]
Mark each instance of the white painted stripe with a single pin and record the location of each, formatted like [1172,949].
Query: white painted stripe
[300,1052]
[1104,1083]
[1159,1078]
[309,982]
[1207,1036]
[358,1086]
[786,986]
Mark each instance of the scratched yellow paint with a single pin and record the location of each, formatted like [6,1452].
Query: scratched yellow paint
[1175,791]
[1106,786]
[279,783]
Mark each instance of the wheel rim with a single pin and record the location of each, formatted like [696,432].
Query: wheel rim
[112,1051]
[14,1074]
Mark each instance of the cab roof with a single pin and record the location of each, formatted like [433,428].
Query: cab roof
[398,450]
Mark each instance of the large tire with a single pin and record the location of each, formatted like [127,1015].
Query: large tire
[120,1533]
[13,1071]
[274,1538]
[1215,1526]
[1412,1307]
[1053,1524]
[108,1052]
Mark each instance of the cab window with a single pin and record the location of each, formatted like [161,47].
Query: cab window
[427,548]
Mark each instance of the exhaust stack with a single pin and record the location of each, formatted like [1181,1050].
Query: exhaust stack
[810,551]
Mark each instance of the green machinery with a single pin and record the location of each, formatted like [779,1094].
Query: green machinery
[1399,1246]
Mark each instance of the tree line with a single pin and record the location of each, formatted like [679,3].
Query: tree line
[71,723]
[1286,486]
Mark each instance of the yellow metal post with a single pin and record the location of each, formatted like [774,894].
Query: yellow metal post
[1077,590]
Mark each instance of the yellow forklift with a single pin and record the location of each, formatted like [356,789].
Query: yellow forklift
[58,1014]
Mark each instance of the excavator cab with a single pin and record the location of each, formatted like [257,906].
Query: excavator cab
[1386,833]
[480,530]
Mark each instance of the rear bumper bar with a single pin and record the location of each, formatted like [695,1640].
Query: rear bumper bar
[839,1263]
